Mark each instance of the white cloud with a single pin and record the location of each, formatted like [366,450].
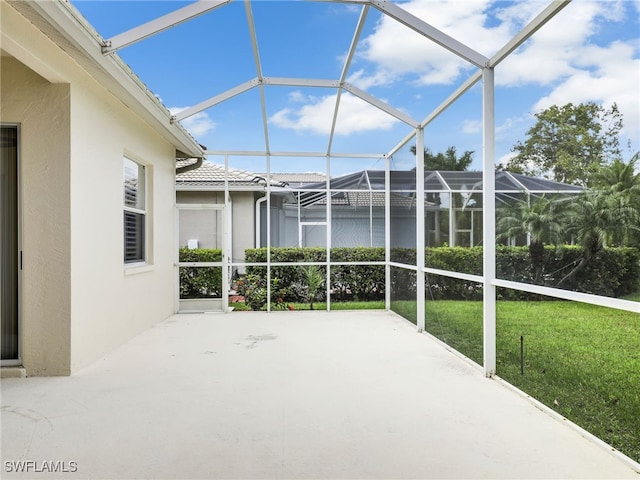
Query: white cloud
[562,56]
[315,116]
[504,159]
[471,126]
[399,51]
[609,79]
[197,125]
[552,52]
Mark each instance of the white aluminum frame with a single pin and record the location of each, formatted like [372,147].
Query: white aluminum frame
[485,73]
[224,264]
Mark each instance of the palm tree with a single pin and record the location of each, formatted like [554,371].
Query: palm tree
[596,219]
[448,161]
[314,278]
[540,220]
[619,177]
[620,180]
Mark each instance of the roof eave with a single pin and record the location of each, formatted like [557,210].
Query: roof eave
[114,74]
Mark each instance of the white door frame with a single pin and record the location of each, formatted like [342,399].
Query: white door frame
[17,361]
[224,264]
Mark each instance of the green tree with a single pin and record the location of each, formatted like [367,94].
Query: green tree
[621,182]
[448,161]
[314,279]
[596,219]
[569,143]
[540,219]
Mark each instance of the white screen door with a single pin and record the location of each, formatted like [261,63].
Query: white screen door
[202,260]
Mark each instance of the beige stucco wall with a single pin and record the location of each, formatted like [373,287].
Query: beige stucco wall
[78,299]
[244,224]
[111,302]
[42,110]
[242,217]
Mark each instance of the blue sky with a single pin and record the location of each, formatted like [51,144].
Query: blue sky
[589,52]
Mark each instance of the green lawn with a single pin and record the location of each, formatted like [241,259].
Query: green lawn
[342,306]
[581,360]
[635,297]
[323,306]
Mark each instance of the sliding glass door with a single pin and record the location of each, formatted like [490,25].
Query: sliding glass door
[9,244]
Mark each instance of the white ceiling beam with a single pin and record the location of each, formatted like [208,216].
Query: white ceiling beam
[401,143]
[461,90]
[423,28]
[260,153]
[159,24]
[232,92]
[543,17]
[111,71]
[394,112]
[300,82]
[345,70]
[258,62]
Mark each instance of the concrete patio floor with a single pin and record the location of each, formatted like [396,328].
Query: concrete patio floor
[288,395]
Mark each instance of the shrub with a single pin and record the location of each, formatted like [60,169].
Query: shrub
[348,282]
[253,288]
[200,282]
[613,272]
[314,279]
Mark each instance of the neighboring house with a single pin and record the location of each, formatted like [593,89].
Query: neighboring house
[453,205]
[87,188]
[204,186]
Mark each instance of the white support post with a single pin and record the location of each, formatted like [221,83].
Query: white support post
[226,239]
[268,158]
[489,223]
[420,260]
[328,233]
[452,220]
[387,233]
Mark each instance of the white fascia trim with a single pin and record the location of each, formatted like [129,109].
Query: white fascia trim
[24,49]
[114,74]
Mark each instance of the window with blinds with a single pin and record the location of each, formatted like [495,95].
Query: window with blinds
[134,211]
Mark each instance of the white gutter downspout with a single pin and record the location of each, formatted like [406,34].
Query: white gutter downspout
[259,202]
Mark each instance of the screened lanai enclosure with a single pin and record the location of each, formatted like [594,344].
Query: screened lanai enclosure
[452,208]
[367,193]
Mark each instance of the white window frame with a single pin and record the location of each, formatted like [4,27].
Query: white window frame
[141,209]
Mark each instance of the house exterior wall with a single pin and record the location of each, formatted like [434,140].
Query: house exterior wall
[42,110]
[113,302]
[243,224]
[78,299]
[242,215]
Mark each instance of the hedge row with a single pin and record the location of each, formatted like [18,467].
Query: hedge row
[200,282]
[348,282]
[614,272]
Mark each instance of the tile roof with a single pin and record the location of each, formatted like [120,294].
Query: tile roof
[212,175]
[296,179]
